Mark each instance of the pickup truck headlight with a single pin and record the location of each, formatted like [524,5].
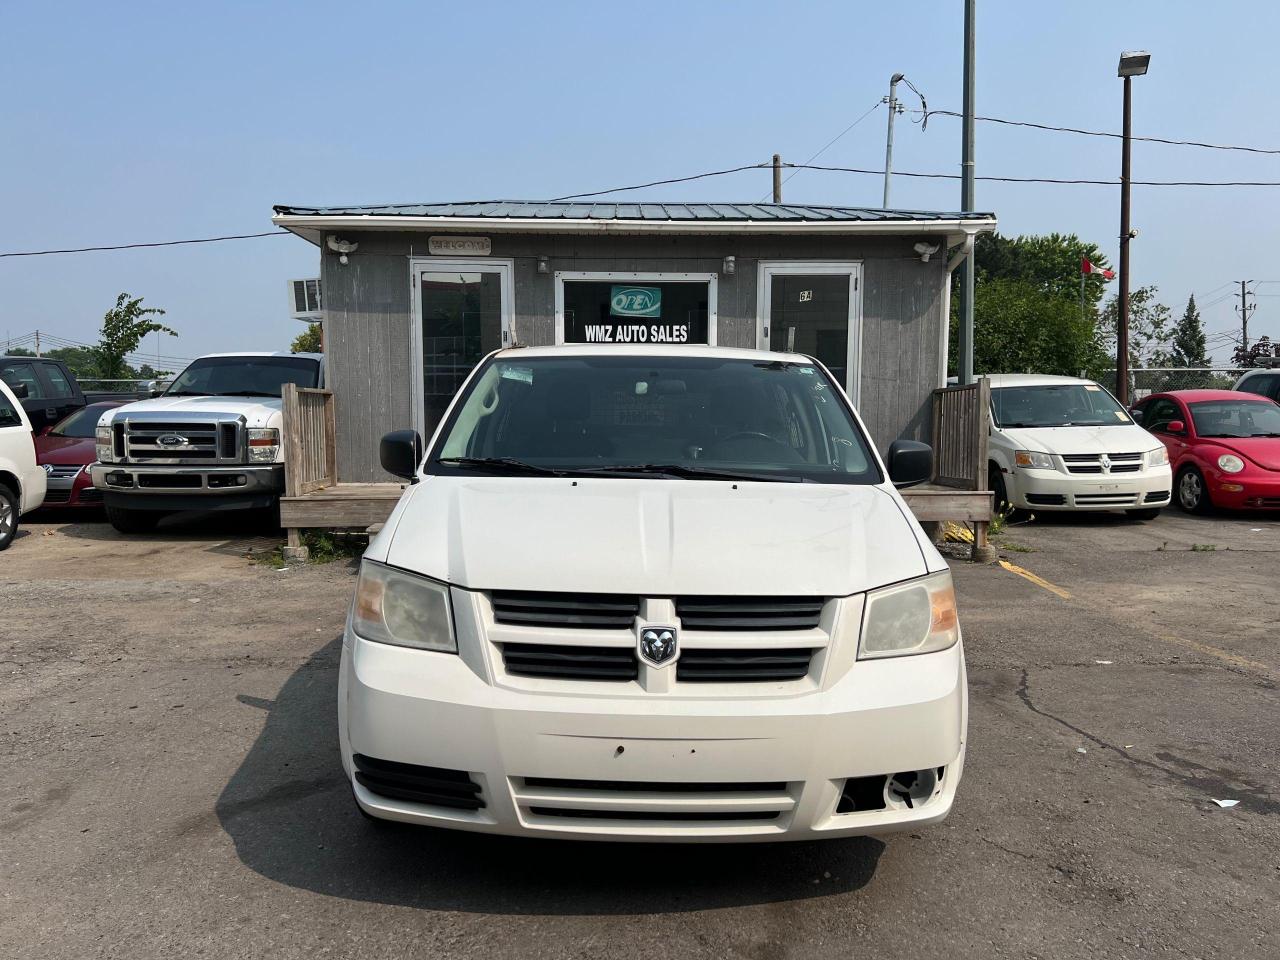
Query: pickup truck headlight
[402,609]
[102,444]
[1033,458]
[264,444]
[1230,464]
[918,616]
[1157,457]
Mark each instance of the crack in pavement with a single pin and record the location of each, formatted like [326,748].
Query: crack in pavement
[1213,782]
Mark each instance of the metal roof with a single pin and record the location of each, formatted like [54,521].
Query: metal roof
[647,211]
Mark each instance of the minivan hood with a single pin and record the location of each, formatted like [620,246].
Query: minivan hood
[1122,438]
[653,537]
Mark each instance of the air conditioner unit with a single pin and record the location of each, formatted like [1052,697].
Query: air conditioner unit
[304,300]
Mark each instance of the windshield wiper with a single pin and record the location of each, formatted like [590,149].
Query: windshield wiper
[184,393]
[1264,434]
[692,473]
[503,464]
[247,393]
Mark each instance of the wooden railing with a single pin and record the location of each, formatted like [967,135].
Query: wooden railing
[310,440]
[960,423]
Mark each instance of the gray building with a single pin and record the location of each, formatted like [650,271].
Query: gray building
[414,296]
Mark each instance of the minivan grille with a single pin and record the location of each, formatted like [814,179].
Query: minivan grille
[1092,462]
[600,611]
[749,613]
[699,665]
[570,662]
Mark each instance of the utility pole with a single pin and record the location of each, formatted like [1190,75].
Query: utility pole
[894,109]
[777,178]
[967,195]
[1133,63]
[1245,309]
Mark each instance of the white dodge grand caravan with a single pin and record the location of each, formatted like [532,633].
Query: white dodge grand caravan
[644,593]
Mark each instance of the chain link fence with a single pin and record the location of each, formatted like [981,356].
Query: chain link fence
[1144,381]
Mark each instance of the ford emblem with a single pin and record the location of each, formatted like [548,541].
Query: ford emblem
[171,440]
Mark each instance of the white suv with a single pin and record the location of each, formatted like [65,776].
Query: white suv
[22,482]
[1063,443]
[653,593]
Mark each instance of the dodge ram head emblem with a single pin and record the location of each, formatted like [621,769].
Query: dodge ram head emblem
[658,644]
[171,440]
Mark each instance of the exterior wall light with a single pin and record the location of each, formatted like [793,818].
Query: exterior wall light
[542,265]
[730,266]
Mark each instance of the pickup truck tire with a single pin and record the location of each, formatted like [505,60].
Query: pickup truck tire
[133,521]
[8,515]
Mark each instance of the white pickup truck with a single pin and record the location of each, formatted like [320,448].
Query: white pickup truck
[210,442]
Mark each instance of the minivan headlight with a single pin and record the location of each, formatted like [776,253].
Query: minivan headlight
[399,608]
[918,616]
[1033,458]
[1158,457]
[102,444]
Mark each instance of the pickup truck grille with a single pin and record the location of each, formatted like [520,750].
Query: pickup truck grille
[203,441]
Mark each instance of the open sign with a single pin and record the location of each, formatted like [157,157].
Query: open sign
[635,301]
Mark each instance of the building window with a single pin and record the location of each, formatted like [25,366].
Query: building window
[629,308]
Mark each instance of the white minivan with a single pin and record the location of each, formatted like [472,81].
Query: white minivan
[1064,443]
[658,592]
[22,482]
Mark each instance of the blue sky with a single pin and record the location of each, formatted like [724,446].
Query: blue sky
[156,121]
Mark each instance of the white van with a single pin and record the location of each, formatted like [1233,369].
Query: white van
[1063,443]
[653,593]
[22,482]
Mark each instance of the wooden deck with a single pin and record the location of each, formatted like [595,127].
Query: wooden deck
[357,505]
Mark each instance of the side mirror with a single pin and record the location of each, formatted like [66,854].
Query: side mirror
[910,462]
[1136,413]
[400,452]
[20,390]
[46,430]
[1176,426]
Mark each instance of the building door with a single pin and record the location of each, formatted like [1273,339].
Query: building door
[814,309]
[462,310]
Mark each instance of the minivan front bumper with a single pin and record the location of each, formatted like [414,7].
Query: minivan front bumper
[1036,489]
[550,762]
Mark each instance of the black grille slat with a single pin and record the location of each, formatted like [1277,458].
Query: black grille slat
[227,437]
[407,781]
[742,666]
[649,786]
[571,662]
[749,613]
[576,611]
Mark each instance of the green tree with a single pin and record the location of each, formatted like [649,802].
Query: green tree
[1050,262]
[123,327]
[311,340]
[1151,334]
[1188,347]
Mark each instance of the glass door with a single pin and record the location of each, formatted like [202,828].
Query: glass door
[814,309]
[462,311]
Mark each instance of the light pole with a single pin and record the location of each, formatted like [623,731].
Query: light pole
[1133,63]
[892,100]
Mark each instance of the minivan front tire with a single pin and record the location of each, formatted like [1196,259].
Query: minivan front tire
[8,515]
[132,521]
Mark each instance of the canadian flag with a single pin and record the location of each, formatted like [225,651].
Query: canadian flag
[1087,267]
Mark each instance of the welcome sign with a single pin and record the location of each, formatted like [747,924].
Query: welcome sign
[641,302]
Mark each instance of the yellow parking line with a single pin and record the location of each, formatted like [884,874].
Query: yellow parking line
[1038,581]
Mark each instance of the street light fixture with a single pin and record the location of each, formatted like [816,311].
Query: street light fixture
[1133,63]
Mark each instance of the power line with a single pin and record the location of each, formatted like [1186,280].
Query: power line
[134,246]
[830,143]
[1102,133]
[1058,180]
[660,183]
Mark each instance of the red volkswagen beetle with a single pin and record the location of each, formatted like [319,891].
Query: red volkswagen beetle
[64,450]
[1224,447]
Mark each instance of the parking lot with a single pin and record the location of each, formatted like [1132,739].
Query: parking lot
[173,788]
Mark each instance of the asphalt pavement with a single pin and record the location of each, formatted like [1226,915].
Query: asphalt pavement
[171,782]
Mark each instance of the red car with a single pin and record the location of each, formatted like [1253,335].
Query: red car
[64,450]
[1224,447]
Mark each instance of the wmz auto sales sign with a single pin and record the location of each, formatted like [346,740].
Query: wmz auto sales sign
[636,303]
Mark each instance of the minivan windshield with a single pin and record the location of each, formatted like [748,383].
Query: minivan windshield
[244,376]
[1057,405]
[679,417]
[1236,418]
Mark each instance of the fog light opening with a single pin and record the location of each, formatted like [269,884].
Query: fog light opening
[912,788]
[861,794]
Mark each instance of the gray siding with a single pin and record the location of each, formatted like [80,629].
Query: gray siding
[369,332]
